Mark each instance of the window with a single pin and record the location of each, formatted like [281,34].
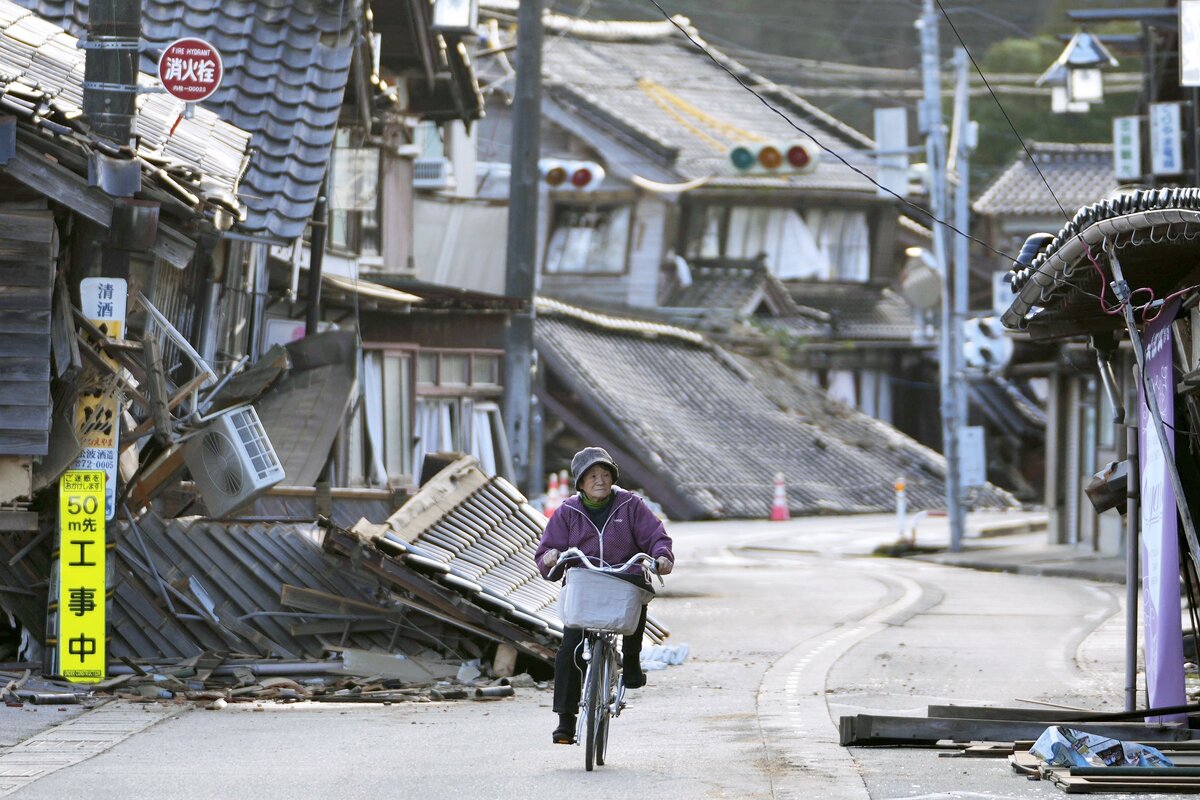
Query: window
[385,419]
[455,408]
[485,370]
[589,239]
[455,370]
[790,247]
[845,241]
[354,196]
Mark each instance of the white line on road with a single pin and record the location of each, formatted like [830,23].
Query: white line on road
[794,714]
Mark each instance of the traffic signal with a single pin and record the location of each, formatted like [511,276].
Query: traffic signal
[561,175]
[774,158]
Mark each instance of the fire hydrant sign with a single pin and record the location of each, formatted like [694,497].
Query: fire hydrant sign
[190,69]
[98,412]
[81,576]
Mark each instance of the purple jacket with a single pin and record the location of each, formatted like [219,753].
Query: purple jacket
[631,528]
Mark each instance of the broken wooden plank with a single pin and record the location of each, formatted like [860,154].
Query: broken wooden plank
[156,389]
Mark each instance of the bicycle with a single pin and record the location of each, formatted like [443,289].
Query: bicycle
[605,607]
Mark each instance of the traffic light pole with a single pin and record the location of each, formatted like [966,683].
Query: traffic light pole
[949,369]
[521,255]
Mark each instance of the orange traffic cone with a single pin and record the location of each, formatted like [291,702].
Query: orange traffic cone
[552,496]
[779,509]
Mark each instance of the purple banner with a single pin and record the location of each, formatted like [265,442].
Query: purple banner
[1160,527]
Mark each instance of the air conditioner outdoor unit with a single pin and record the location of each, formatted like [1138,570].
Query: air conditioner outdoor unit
[232,461]
[431,173]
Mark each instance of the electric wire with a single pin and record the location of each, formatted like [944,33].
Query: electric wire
[819,143]
[1144,308]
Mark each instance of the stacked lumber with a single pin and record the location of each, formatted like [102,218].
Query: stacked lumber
[990,732]
[1183,778]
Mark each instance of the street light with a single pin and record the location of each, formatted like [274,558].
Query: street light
[1076,77]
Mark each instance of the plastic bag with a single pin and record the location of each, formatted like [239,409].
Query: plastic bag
[1065,747]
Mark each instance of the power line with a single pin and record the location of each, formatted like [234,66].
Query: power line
[819,143]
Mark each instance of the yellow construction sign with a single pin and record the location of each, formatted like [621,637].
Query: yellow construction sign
[81,576]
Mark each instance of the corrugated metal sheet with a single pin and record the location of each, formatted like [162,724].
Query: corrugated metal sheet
[286,64]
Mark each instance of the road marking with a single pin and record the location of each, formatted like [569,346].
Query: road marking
[794,714]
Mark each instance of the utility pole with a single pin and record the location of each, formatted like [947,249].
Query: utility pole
[964,143]
[932,127]
[110,73]
[521,256]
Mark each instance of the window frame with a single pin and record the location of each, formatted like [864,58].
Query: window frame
[353,245]
[559,206]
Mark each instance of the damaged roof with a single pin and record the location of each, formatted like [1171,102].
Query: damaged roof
[646,84]
[476,536]
[41,78]
[286,65]
[705,432]
[1064,290]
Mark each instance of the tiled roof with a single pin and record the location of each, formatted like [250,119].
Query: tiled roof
[200,165]
[1078,173]
[647,83]
[715,428]
[729,284]
[857,310]
[475,537]
[286,64]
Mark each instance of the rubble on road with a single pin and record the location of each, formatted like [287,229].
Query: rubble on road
[440,601]
[1171,752]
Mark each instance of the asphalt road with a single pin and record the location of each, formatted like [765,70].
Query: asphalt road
[786,635]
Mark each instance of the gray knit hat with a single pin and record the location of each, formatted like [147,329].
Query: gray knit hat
[589,457]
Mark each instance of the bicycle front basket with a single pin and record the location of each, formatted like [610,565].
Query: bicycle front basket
[598,601]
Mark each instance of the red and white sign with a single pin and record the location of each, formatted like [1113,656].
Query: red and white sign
[190,69]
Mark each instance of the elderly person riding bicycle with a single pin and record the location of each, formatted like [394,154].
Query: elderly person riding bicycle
[609,525]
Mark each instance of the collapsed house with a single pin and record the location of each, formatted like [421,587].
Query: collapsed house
[447,578]
[705,431]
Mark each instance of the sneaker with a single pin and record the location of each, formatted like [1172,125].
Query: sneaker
[565,732]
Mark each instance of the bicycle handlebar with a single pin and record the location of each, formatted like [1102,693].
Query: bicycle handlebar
[648,563]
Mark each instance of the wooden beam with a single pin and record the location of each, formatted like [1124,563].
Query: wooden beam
[55,181]
[147,425]
[876,730]
[156,388]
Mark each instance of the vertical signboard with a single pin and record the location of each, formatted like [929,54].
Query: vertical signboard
[1166,139]
[1189,42]
[972,456]
[98,413]
[1160,527]
[81,576]
[1127,149]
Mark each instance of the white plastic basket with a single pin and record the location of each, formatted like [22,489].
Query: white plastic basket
[598,601]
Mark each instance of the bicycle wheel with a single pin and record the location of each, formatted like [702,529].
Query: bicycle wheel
[609,690]
[594,688]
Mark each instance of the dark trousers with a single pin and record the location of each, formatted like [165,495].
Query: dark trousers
[569,666]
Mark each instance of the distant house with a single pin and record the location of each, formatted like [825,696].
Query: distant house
[1079,437]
